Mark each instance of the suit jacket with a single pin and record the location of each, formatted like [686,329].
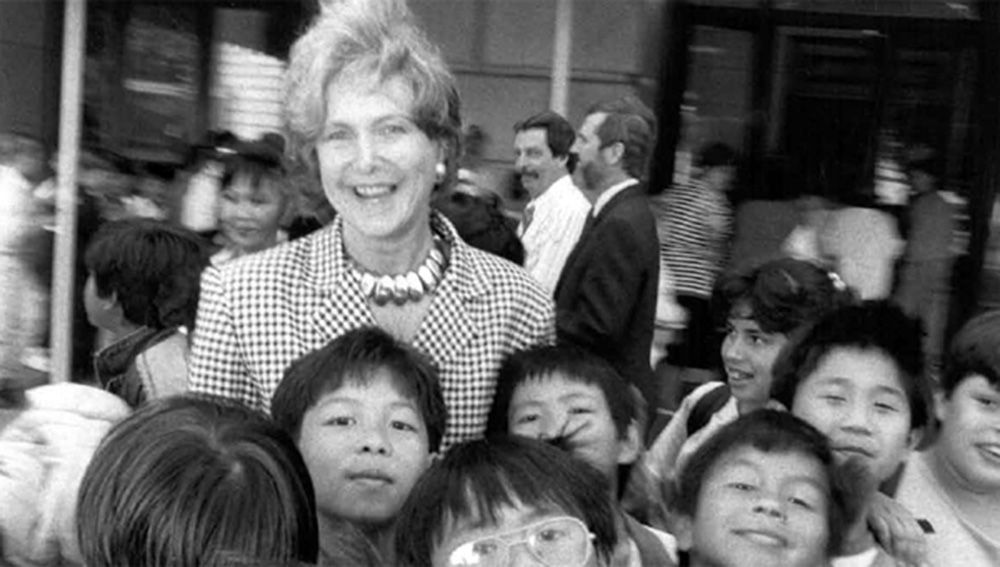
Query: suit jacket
[260,312]
[606,296]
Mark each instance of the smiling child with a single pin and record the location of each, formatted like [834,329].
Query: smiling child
[577,401]
[857,376]
[954,486]
[761,493]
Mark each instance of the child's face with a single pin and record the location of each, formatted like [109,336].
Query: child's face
[547,534]
[758,509]
[748,355]
[250,216]
[856,398]
[365,446]
[970,433]
[557,406]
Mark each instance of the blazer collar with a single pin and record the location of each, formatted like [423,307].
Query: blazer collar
[449,324]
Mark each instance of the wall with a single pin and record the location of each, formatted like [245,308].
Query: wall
[501,52]
[29,67]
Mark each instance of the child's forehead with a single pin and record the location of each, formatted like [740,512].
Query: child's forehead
[378,384]
[558,382]
[778,463]
[557,379]
[860,367]
[245,181]
[482,518]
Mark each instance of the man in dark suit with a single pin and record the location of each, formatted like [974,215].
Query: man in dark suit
[606,295]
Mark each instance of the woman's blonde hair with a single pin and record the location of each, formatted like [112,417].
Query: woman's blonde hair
[378,37]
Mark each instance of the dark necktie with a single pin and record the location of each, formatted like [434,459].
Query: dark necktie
[526,218]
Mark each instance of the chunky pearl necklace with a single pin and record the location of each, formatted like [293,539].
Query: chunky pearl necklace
[411,286]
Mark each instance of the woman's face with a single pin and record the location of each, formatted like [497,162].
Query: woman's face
[748,355]
[376,165]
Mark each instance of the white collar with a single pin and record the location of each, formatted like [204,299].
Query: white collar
[609,194]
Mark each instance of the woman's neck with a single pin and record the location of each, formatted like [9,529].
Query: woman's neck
[390,255]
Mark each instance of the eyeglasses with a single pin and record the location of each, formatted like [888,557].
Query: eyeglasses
[558,542]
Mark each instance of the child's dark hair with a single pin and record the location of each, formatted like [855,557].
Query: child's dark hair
[152,267]
[355,357]
[974,350]
[570,362]
[870,325]
[194,480]
[768,431]
[476,479]
[782,295]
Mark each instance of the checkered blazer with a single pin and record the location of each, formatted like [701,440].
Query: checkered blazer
[259,313]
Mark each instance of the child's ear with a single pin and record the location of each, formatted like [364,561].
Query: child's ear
[684,532]
[915,437]
[939,405]
[631,445]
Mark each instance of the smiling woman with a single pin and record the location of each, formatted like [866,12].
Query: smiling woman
[372,109]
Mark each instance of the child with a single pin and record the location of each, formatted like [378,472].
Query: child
[367,412]
[143,289]
[507,501]
[194,481]
[955,485]
[761,493]
[857,376]
[765,307]
[578,402]
[255,202]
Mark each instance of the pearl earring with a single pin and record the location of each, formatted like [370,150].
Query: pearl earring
[440,170]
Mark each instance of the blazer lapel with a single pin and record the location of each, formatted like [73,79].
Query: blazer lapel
[450,325]
[334,303]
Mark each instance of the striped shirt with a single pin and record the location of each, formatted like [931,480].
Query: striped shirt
[699,224]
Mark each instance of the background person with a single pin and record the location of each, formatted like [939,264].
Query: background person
[381,125]
[255,203]
[44,452]
[554,217]
[142,288]
[607,292]
[699,227]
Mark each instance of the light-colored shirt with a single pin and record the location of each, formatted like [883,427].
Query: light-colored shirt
[865,244]
[674,446]
[864,559]
[557,219]
[955,540]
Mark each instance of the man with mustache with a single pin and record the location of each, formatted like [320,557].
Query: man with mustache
[554,218]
